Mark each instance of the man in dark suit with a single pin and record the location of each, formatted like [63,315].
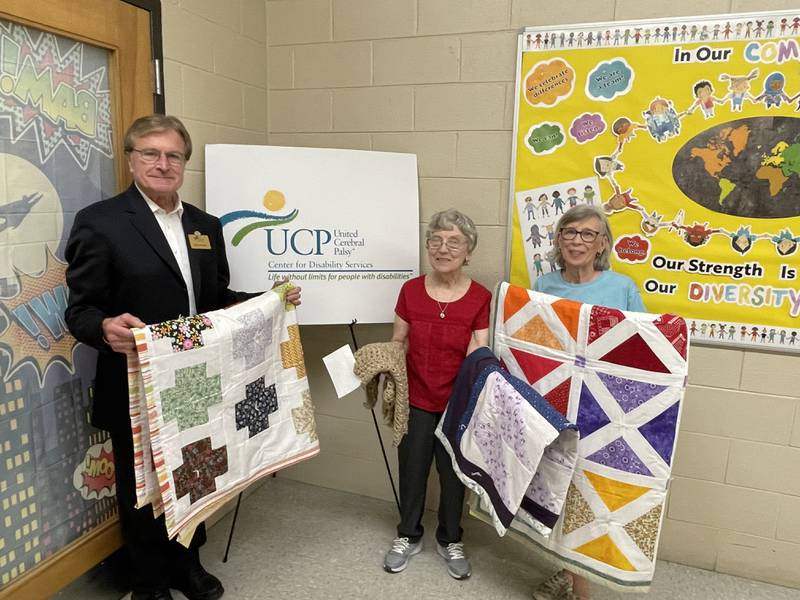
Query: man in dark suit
[145,257]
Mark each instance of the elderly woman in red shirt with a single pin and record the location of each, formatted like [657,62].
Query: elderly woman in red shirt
[440,317]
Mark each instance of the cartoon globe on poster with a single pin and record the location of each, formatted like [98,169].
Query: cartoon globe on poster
[749,168]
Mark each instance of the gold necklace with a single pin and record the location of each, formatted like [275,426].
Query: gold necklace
[442,309]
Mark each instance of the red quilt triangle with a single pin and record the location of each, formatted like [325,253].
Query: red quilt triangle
[534,367]
[602,320]
[558,397]
[634,352]
[673,328]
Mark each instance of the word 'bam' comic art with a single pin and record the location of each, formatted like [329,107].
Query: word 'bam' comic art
[687,133]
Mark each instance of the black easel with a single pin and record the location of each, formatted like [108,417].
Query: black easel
[375,422]
[233,526]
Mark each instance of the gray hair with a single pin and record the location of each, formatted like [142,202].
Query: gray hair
[602,262]
[448,219]
[157,123]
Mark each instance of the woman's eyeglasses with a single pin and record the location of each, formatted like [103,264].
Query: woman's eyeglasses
[587,235]
[436,242]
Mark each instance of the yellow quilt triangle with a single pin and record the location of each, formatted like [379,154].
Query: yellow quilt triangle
[606,551]
[537,332]
[615,494]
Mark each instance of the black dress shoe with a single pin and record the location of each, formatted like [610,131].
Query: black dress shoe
[198,584]
[156,595]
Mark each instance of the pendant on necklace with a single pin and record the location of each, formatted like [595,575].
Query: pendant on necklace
[441,315]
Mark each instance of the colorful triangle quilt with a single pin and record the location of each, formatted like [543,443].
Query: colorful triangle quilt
[620,376]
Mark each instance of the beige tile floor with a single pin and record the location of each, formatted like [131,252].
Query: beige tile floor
[298,541]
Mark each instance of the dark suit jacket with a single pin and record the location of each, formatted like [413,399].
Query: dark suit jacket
[120,261]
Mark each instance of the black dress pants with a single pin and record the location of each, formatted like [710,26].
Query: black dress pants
[415,454]
[155,559]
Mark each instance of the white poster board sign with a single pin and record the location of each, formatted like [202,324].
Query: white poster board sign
[342,224]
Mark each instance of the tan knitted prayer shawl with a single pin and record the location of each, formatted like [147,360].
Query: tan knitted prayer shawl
[388,358]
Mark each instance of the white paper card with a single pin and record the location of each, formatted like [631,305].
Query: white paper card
[340,365]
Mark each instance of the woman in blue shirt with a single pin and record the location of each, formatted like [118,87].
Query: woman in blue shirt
[582,251]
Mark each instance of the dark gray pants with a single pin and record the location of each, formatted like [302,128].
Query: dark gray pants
[415,454]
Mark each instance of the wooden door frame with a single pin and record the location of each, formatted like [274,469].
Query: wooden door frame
[69,563]
[157,49]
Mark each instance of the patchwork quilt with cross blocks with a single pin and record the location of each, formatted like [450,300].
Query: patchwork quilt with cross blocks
[217,401]
[620,376]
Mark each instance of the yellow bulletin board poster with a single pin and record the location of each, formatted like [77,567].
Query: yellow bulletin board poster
[687,133]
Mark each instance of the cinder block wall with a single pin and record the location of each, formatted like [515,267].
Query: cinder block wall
[215,72]
[435,77]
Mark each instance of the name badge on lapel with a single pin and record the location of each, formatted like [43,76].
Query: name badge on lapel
[198,241]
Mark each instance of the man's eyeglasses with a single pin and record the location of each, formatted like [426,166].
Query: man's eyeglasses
[436,242]
[151,155]
[587,235]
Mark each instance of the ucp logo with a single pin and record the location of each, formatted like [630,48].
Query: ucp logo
[273,201]
[304,242]
[300,241]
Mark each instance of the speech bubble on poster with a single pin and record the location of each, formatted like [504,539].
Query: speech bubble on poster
[609,79]
[587,127]
[545,138]
[94,476]
[632,249]
[549,82]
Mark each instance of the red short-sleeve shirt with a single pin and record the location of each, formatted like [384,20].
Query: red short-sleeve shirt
[436,346]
